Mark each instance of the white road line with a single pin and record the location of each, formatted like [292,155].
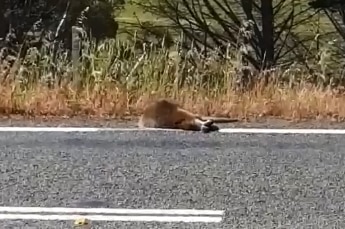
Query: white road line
[50,129]
[158,215]
[282,131]
[224,130]
[74,129]
[191,219]
[111,211]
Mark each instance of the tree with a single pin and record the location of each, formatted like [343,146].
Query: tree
[326,4]
[46,26]
[212,24]
[335,11]
[47,15]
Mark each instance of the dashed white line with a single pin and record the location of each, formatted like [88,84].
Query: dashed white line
[185,219]
[108,214]
[111,211]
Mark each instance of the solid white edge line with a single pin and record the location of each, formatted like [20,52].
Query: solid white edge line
[282,131]
[110,211]
[75,129]
[111,218]
[224,130]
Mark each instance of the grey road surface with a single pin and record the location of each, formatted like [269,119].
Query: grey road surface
[262,181]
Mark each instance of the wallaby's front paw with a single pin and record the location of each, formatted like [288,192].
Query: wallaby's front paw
[208,123]
[205,129]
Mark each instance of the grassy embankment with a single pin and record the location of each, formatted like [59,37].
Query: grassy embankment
[138,80]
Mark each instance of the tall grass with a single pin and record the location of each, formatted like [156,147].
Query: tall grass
[118,79]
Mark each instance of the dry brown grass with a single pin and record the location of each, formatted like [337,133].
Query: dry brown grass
[112,101]
[121,88]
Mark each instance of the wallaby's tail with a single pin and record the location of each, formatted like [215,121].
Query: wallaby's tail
[220,119]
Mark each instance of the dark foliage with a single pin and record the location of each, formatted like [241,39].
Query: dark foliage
[19,17]
[326,4]
[335,11]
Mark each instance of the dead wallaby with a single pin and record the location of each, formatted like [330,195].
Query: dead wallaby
[166,114]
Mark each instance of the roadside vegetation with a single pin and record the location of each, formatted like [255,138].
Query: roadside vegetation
[290,66]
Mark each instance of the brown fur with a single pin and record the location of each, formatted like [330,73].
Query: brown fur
[169,115]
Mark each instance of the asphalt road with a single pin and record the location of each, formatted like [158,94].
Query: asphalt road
[262,181]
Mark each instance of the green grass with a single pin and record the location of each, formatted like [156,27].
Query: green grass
[308,29]
[318,26]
